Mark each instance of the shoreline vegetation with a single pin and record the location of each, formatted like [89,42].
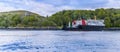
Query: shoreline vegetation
[28,20]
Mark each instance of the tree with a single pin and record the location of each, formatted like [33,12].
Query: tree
[107,22]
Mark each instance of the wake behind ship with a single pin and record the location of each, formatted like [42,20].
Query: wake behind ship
[85,25]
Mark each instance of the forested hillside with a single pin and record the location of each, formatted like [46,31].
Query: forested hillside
[23,18]
[111,16]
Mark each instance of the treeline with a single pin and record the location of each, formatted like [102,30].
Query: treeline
[29,19]
[24,19]
[111,16]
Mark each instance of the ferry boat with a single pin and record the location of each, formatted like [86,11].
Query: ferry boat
[85,25]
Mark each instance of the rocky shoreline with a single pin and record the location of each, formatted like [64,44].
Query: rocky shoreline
[112,29]
[46,28]
[53,28]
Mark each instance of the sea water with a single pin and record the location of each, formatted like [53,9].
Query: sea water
[59,41]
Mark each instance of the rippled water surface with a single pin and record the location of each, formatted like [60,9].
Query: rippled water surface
[59,41]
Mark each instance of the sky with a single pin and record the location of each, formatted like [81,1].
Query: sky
[49,7]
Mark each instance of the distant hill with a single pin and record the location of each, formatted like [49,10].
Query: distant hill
[19,12]
[22,18]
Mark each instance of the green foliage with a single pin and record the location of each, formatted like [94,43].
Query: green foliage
[111,16]
[47,23]
[107,22]
[59,19]
[21,19]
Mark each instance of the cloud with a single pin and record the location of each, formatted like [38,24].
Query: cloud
[31,5]
[6,7]
[113,4]
[49,7]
